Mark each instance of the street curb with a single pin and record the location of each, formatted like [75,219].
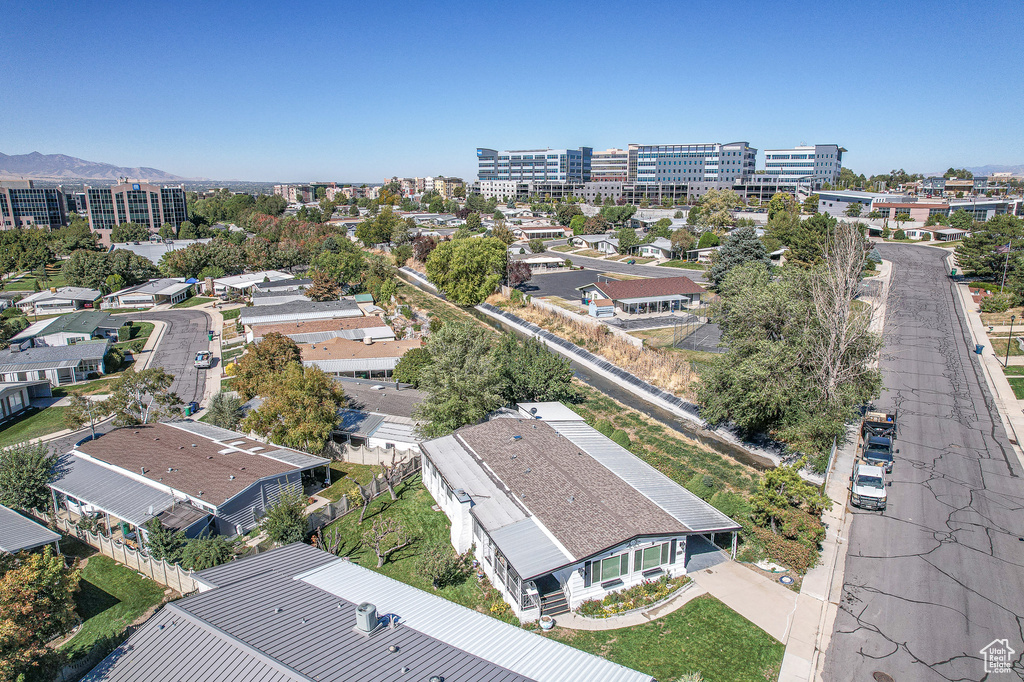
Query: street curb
[145,357]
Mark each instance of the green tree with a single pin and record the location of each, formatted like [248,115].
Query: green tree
[716,208]
[468,270]
[708,240]
[739,248]
[501,232]
[853,210]
[442,566]
[81,411]
[409,366]
[75,236]
[627,239]
[132,267]
[536,246]
[577,224]
[901,218]
[983,252]
[662,228]
[566,212]
[379,228]
[25,471]
[206,552]
[300,408]
[345,264]
[806,239]
[129,232]
[225,410]
[113,283]
[961,220]
[782,202]
[810,204]
[167,231]
[958,173]
[263,364]
[461,381]
[529,372]
[323,288]
[782,489]
[286,522]
[682,241]
[473,222]
[164,543]
[142,397]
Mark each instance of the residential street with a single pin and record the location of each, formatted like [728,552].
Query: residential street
[601,265]
[938,575]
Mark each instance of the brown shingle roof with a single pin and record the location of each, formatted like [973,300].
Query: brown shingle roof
[203,471]
[654,286]
[344,349]
[548,471]
[309,326]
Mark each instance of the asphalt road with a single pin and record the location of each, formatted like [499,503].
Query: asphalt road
[937,576]
[185,336]
[601,265]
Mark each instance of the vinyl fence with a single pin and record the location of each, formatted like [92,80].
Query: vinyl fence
[335,510]
[362,454]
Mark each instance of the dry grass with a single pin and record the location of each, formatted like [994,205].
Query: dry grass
[1003,318]
[621,276]
[658,367]
[590,253]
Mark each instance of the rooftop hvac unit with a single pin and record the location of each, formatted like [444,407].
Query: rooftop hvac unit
[366,617]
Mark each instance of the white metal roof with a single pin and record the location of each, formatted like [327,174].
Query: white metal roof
[510,647]
[114,493]
[248,279]
[18,533]
[549,411]
[354,364]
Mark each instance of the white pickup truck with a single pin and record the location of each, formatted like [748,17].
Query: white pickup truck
[204,359]
[867,489]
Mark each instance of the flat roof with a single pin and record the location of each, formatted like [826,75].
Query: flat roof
[346,349]
[249,278]
[299,310]
[382,397]
[313,326]
[197,459]
[19,533]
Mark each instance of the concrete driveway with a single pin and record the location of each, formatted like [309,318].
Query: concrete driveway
[765,603]
[938,576]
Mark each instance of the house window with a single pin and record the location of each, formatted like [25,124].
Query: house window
[611,568]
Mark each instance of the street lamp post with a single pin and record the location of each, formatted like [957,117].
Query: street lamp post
[1006,361]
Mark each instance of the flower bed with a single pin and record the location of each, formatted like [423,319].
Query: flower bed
[647,593]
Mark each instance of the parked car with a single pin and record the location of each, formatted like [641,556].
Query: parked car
[204,359]
[867,489]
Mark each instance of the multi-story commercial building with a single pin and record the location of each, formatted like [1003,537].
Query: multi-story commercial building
[704,166]
[23,205]
[817,164]
[499,189]
[134,202]
[446,186]
[565,165]
[611,165]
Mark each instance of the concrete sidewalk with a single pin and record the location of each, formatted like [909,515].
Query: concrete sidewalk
[764,602]
[145,356]
[686,594]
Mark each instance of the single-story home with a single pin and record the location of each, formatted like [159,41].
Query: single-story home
[312,331]
[294,284]
[244,282]
[16,396]
[544,263]
[59,365]
[558,514]
[274,297]
[21,534]
[605,243]
[390,398]
[151,293]
[59,300]
[299,311]
[361,359]
[651,295]
[702,255]
[540,232]
[155,249]
[659,248]
[377,431]
[133,474]
[68,329]
[299,613]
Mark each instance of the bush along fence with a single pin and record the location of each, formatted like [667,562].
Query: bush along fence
[74,671]
[169,575]
[335,510]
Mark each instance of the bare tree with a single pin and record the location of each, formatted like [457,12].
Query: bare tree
[844,343]
[366,496]
[391,474]
[330,542]
[385,537]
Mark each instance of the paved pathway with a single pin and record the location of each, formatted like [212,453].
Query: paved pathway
[764,602]
[685,595]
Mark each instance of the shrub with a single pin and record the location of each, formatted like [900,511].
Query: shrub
[443,567]
[702,486]
[621,437]
[604,427]
[286,522]
[899,234]
[732,505]
[786,552]
[13,311]
[997,303]
[926,236]
[112,360]
[124,332]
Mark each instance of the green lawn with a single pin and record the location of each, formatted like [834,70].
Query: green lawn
[413,511]
[434,306]
[231,314]
[1014,371]
[1018,387]
[703,636]
[28,282]
[644,261]
[194,301]
[992,287]
[685,264]
[109,598]
[89,387]
[34,424]
[118,311]
[999,346]
[341,485]
[564,248]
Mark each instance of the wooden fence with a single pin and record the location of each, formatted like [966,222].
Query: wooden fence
[158,570]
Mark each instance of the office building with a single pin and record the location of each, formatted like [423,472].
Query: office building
[611,165]
[817,164]
[23,205]
[134,202]
[565,165]
[446,186]
[708,166]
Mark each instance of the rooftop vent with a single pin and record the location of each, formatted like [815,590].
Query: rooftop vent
[231,477]
[169,469]
[194,445]
[143,470]
[366,618]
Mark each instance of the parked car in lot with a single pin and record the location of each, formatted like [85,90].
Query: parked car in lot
[867,489]
[204,359]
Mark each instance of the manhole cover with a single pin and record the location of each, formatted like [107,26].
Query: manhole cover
[882,677]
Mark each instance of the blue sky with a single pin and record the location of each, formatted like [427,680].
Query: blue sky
[360,91]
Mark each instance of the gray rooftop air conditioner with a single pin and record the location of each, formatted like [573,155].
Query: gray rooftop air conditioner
[366,617]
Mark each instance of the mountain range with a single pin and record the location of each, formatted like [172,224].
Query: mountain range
[982,171]
[36,166]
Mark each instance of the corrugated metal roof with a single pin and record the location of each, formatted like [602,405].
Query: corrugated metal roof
[299,310]
[548,411]
[679,502]
[114,493]
[18,533]
[302,460]
[354,364]
[51,356]
[397,431]
[286,558]
[529,549]
[359,423]
[512,648]
[376,333]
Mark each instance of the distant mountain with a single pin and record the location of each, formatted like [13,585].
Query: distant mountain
[36,166]
[988,170]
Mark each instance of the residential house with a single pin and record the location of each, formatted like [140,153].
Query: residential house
[540,232]
[225,480]
[365,359]
[652,295]
[313,331]
[59,300]
[297,613]
[299,311]
[702,255]
[59,365]
[604,243]
[293,284]
[264,298]
[658,248]
[21,534]
[373,430]
[541,262]
[242,284]
[68,329]
[558,514]
[16,396]
[155,249]
[166,290]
